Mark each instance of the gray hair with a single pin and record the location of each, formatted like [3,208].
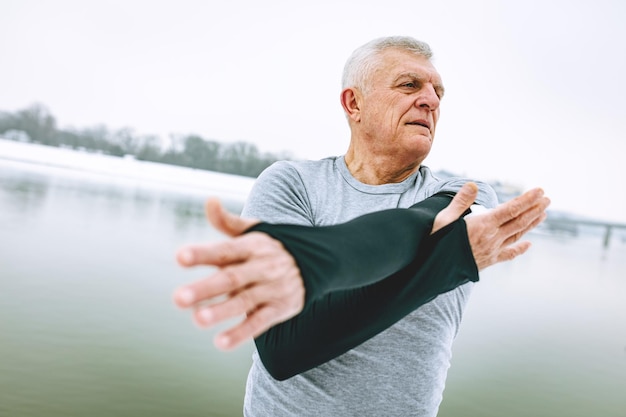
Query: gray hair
[364,59]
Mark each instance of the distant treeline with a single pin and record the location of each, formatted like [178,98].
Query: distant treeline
[35,124]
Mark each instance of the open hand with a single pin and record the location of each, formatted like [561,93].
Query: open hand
[256,277]
[494,235]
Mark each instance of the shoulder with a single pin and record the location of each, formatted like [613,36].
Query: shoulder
[283,190]
[487,196]
[295,173]
[302,168]
[300,176]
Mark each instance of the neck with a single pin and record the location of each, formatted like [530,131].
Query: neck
[377,169]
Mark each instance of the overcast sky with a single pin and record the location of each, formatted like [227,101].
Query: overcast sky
[535,90]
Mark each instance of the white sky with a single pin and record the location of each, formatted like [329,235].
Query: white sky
[535,90]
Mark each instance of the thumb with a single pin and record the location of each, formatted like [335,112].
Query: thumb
[463,199]
[224,221]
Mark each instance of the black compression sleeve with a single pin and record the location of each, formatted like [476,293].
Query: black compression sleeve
[345,311]
[362,251]
[342,320]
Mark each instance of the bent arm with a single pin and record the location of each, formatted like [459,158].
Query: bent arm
[360,278]
[258,277]
[359,252]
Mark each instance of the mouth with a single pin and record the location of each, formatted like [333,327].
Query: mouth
[422,123]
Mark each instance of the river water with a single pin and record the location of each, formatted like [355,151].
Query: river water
[88,328]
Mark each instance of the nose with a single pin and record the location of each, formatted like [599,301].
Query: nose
[428,98]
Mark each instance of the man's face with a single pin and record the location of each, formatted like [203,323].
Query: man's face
[400,106]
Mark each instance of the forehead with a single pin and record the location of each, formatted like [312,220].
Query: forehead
[393,63]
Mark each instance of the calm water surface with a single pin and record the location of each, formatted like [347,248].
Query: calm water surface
[87,326]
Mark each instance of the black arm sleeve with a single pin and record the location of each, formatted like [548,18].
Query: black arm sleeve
[361,277]
[362,251]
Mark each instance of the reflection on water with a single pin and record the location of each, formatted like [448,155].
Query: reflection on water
[88,326]
[86,318]
[545,336]
[26,194]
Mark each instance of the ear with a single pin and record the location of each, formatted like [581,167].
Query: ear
[351,102]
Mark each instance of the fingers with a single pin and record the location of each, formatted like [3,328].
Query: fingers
[529,225]
[288,294]
[515,207]
[463,199]
[224,221]
[219,284]
[526,221]
[222,253]
[493,235]
[259,318]
[279,272]
[513,251]
[217,254]
[256,276]
[252,326]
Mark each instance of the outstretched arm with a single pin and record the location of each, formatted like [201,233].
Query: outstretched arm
[339,320]
[260,278]
[359,252]
[364,298]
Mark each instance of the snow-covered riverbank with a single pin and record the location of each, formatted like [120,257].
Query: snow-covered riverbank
[122,170]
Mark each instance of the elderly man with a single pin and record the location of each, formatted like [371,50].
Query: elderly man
[391,96]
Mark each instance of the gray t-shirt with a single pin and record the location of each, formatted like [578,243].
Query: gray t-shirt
[399,372]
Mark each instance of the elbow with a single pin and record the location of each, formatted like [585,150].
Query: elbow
[279,373]
[277,366]
[276,361]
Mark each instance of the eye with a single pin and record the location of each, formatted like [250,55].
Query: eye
[409,85]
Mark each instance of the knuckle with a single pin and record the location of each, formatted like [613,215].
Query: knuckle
[275,266]
[262,240]
[224,251]
[245,301]
[514,209]
[258,322]
[233,279]
[282,267]
[508,255]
